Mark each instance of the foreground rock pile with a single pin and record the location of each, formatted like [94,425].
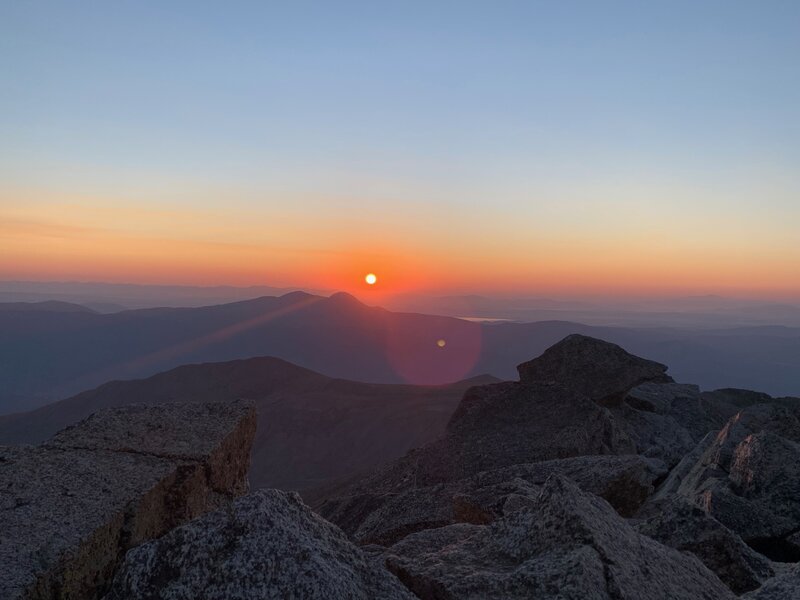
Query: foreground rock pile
[566,543]
[267,545]
[594,477]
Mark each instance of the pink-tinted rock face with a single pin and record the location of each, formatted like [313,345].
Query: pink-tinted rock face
[747,476]
[72,506]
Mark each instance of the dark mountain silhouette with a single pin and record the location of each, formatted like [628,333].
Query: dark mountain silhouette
[311,428]
[114,297]
[46,306]
[50,355]
[46,355]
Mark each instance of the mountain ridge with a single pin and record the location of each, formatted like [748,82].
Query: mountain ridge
[313,429]
[46,356]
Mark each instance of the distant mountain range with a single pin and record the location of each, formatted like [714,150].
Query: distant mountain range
[49,352]
[700,312]
[45,306]
[114,297]
[311,428]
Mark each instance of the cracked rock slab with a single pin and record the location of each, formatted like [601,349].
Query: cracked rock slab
[785,586]
[686,527]
[624,481]
[71,507]
[569,545]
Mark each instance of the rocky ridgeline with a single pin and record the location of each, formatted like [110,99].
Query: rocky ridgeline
[593,477]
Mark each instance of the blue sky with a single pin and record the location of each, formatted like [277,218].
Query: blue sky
[561,114]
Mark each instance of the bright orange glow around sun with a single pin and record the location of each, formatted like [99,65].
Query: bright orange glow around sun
[370,278]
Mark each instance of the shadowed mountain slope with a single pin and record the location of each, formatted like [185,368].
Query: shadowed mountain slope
[46,306]
[311,428]
[45,356]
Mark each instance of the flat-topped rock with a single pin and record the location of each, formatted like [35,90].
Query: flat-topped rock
[185,431]
[659,397]
[72,507]
[599,370]
[268,545]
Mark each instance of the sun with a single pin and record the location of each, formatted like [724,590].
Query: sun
[370,278]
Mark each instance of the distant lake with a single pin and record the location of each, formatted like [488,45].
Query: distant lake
[484,319]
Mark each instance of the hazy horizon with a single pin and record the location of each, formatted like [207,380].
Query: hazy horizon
[372,293]
[699,312]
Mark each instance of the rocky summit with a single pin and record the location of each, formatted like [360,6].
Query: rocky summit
[599,370]
[593,477]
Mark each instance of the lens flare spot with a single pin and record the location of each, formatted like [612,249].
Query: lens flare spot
[441,343]
[370,278]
